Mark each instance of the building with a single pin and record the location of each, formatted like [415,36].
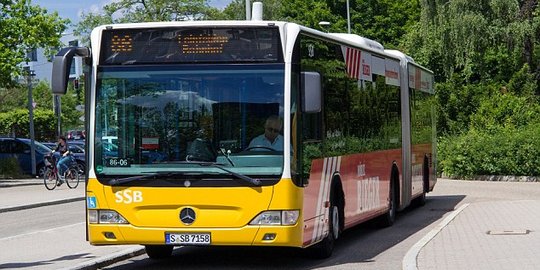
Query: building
[41,64]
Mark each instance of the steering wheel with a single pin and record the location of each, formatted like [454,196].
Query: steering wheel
[260,147]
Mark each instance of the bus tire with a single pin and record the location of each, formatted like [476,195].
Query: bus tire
[387,219]
[324,249]
[421,201]
[157,252]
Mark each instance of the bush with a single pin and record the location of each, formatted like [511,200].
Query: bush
[16,123]
[502,151]
[505,110]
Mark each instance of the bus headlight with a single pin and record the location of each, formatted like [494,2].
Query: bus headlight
[289,217]
[105,217]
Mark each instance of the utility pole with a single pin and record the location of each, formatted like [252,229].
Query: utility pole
[58,112]
[29,75]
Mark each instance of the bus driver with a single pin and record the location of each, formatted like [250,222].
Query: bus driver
[271,139]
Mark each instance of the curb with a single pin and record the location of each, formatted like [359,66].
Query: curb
[18,184]
[409,261]
[34,205]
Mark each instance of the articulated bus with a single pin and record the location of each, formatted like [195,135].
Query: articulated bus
[191,106]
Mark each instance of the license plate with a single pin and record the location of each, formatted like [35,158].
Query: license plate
[187,238]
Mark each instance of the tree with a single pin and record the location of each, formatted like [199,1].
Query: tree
[236,10]
[131,11]
[385,21]
[24,27]
[478,40]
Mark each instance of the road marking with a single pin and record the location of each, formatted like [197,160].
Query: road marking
[36,232]
[409,261]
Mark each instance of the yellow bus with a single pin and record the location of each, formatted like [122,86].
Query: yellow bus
[251,133]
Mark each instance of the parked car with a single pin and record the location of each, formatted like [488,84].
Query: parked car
[75,135]
[19,148]
[78,153]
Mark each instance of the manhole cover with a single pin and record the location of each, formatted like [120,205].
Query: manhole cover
[509,232]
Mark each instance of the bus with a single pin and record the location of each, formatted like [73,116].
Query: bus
[353,123]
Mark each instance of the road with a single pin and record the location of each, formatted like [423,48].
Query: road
[52,237]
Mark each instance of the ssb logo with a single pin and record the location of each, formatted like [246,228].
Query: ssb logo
[128,196]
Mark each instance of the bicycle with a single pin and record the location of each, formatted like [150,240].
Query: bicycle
[51,178]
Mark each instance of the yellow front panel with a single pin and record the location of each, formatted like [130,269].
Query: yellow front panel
[225,212]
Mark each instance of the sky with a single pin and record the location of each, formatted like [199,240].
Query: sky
[72,9]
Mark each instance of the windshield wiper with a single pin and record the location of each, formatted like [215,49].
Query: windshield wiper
[118,181]
[245,178]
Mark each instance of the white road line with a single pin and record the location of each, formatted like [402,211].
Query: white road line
[409,261]
[36,232]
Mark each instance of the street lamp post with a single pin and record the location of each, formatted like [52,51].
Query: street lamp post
[58,112]
[348,18]
[248,10]
[29,75]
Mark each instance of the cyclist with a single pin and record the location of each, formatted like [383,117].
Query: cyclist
[60,154]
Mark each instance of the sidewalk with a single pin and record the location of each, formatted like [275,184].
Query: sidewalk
[18,194]
[485,235]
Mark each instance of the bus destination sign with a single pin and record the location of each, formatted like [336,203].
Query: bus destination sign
[136,46]
[202,43]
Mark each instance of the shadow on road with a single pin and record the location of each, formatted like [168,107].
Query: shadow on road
[47,263]
[357,245]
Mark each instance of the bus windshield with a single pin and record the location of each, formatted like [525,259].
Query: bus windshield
[174,118]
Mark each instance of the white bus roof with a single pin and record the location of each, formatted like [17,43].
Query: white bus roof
[366,42]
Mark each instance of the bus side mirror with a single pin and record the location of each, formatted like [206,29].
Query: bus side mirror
[311,92]
[62,65]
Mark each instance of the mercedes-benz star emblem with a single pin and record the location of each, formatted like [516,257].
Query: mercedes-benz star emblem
[187,216]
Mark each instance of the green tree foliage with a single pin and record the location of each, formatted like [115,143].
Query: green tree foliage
[505,110]
[386,21]
[478,40]
[24,27]
[236,10]
[14,116]
[16,123]
[129,11]
[457,101]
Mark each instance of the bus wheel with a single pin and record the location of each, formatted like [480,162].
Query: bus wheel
[158,251]
[389,217]
[324,249]
[421,200]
